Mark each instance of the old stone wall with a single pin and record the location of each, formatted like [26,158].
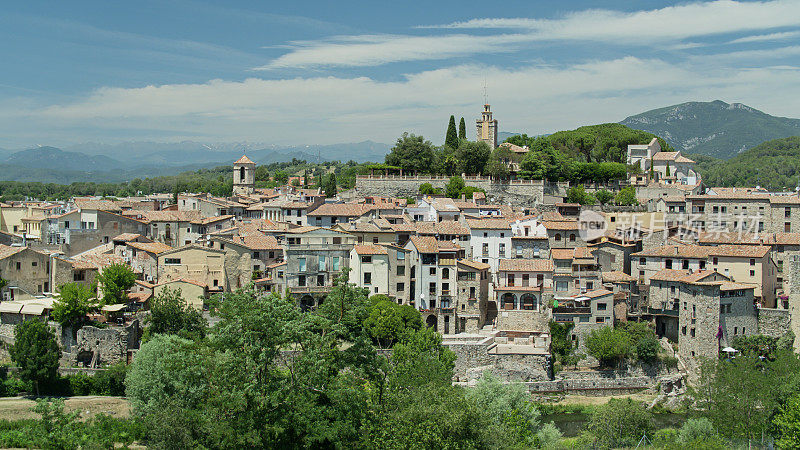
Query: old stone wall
[517,193]
[773,322]
[103,346]
[472,359]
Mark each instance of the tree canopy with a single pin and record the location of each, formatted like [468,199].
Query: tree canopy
[412,153]
[36,353]
[114,281]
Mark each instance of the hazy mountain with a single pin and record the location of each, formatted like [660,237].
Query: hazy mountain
[503,135]
[774,165]
[51,158]
[713,128]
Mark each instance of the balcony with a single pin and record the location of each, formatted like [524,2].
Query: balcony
[309,289]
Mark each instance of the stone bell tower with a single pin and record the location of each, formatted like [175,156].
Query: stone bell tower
[487,127]
[244,176]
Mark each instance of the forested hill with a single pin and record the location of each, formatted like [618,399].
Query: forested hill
[715,128]
[774,165]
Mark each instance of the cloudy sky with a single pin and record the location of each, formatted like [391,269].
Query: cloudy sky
[312,72]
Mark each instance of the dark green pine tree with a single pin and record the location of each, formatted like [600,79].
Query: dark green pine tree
[462,129]
[451,140]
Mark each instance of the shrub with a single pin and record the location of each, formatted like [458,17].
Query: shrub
[620,423]
[80,384]
[697,430]
[548,436]
[609,345]
[111,381]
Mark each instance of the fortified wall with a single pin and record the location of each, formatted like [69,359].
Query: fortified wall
[514,192]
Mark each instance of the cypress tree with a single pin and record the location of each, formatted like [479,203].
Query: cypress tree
[451,139]
[462,129]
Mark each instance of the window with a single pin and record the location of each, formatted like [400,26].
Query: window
[472,292]
[216,283]
[432,288]
[600,319]
[401,256]
[401,287]
[752,262]
[485,234]
[501,253]
[445,273]
[78,275]
[683,330]
[485,249]
[336,240]
[787,227]
[301,280]
[668,264]
[375,240]
[34,263]
[366,259]
[589,285]
[702,265]
[672,290]
[320,280]
[685,264]
[335,263]
[643,261]
[445,288]
[322,263]
[401,270]
[558,236]
[172,260]
[752,273]
[715,261]
[787,212]
[432,271]
[510,279]
[691,332]
[601,306]
[572,237]
[301,264]
[735,331]
[562,285]
[18,265]
[367,278]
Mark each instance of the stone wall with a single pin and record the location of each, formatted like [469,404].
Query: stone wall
[104,346]
[473,358]
[773,322]
[517,193]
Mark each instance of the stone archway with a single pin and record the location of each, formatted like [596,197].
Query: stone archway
[508,301]
[432,322]
[528,302]
[306,302]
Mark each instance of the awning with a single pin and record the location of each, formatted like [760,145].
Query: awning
[114,308]
[10,307]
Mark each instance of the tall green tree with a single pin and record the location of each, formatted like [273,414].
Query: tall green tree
[74,303]
[330,186]
[412,153]
[620,423]
[451,138]
[35,352]
[171,314]
[473,156]
[454,187]
[114,281]
[281,177]
[787,423]
[462,129]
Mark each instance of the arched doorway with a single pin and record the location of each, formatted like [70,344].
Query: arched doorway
[508,300]
[446,324]
[529,302]
[432,322]
[306,302]
[491,311]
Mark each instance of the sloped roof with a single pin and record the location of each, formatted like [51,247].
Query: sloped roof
[150,247]
[489,224]
[617,276]
[370,250]
[244,160]
[342,209]
[474,264]
[525,265]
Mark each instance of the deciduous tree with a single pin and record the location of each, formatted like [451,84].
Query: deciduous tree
[114,281]
[36,353]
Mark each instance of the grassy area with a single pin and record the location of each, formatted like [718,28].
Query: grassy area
[18,408]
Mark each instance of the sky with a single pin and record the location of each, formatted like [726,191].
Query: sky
[321,72]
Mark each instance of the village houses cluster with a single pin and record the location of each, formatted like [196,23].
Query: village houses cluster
[702,264]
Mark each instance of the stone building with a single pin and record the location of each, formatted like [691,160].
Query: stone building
[433,280]
[244,176]
[80,230]
[194,262]
[487,127]
[472,286]
[521,294]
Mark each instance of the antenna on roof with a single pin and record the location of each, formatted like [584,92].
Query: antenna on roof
[485,94]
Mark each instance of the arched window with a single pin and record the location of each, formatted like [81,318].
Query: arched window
[508,300]
[528,302]
[241,174]
[572,237]
[558,236]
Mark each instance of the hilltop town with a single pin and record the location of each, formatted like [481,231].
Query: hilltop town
[516,274]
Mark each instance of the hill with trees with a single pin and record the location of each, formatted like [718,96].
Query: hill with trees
[774,165]
[718,129]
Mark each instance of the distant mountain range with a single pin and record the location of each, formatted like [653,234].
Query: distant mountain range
[718,129]
[125,161]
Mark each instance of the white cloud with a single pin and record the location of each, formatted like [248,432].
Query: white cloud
[766,37]
[532,99]
[642,28]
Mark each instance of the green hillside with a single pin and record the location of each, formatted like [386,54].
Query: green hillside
[774,165]
[715,128]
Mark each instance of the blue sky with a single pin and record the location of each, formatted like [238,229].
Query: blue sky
[308,72]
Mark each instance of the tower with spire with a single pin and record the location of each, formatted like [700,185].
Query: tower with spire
[487,127]
[244,176]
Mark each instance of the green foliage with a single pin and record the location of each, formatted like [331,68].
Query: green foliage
[604,196]
[451,137]
[508,407]
[74,304]
[560,344]
[773,164]
[330,185]
[756,345]
[548,436]
[620,423]
[462,129]
[114,281]
[741,395]
[412,153]
[697,430]
[497,167]
[427,189]
[281,177]
[472,157]
[388,322]
[643,339]
[36,353]
[171,314]
[262,173]
[626,196]
[609,345]
[578,194]
[454,187]
[787,424]
[469,191]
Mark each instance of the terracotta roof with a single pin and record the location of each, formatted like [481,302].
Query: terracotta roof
[208,220]
[583,253]
[166,216]
[745,251]
[257,241]
[474,264]
[596,293]
[560,225]
[617,276]
[125,237]
[101,205]
[489,224]
[150,247]
[682,275]
[666,156]
[370,250]
[677,251]
[561,253]
[683,159]
[525,265]
[7,250]
[552,215]
[244,160]
[342,209]
[731,286]
[449,227]
[427,244]
[184,280]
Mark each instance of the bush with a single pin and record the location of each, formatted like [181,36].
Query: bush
[697,430]
[111,381]
[620,423]
[426,189]
[548,436]
[80,384]
[609,345]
